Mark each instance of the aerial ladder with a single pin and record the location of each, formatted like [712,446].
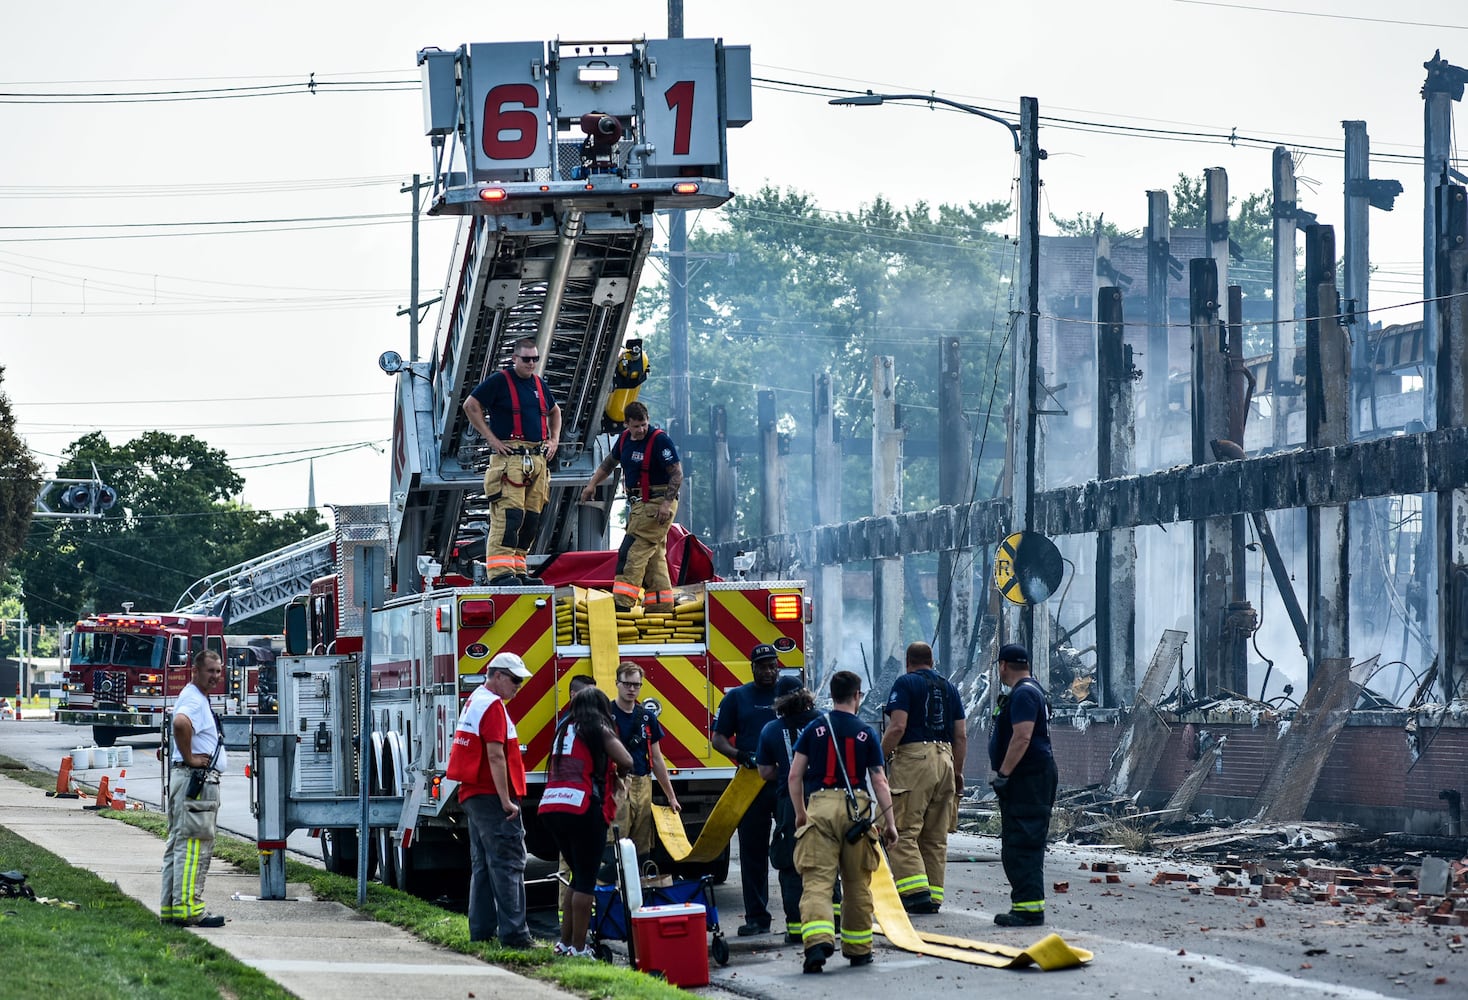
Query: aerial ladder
[555,156]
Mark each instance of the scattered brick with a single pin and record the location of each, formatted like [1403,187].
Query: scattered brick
[1272,890]
[1230,890]
[1061,888]
[1163,877]
[1097,880]
[1113,879]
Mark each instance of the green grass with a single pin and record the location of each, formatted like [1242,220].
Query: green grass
[109,945]
[420,918]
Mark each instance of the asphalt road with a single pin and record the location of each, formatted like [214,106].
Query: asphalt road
[42,744]
[1148,940]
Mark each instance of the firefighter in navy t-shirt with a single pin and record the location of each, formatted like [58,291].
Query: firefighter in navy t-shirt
[1025,781]
[523,429]
[652,475]
[742,717]
[924,746]
[642,735]
[836,758]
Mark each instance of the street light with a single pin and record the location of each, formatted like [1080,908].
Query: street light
[870,99]
[1033,630]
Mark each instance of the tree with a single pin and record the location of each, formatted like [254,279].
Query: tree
[174,523]
[814,291]
[1086,224]
[20,478]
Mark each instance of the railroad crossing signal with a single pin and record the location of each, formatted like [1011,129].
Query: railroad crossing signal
[1027,568]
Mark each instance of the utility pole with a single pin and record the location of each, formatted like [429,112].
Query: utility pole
[1033,630]
[680,416]
[412,310]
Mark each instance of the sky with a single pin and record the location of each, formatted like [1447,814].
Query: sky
[232,267]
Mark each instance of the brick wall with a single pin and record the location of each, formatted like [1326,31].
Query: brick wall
[1369,777]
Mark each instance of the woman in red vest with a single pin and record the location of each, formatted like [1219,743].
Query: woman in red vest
[578,803]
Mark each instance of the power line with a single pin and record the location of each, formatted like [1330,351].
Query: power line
[1313,13]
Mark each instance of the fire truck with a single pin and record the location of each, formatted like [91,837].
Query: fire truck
[124,670]
[427,652]
[555,158]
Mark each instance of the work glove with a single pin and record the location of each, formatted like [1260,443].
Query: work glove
[1000,782]
[747,759]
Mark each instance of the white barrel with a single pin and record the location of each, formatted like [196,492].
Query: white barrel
[81,759]
[124,756]
[111,757]
[99,756]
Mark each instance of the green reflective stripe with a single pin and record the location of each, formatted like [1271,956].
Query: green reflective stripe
[911,884]
[937,893]
[792,927]
[856,937]
[1034,907]
[815,928]
[836,910]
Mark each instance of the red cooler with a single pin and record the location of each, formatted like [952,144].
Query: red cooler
[673,942]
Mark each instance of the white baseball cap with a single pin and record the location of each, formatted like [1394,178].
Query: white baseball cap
[509,663]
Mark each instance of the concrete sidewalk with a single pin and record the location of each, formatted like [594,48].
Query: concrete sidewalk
[317,950]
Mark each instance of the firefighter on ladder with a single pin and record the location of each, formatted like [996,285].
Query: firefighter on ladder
[523,430]
[653,476]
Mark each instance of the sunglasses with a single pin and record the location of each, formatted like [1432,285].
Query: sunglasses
[532,358]
[517,680]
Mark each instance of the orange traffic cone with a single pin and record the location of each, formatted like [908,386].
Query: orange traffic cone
[63,780]
[119,797]
[104,797]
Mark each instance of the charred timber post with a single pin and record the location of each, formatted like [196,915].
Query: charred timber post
[1356,272]
[722,478]
[887,572]
[772,465]
[1452,413]
[1159,256]
[1116,550]
[955,486]
[1242,617]
[826,487]
[1212,545]
[1327,425]
[1283,391]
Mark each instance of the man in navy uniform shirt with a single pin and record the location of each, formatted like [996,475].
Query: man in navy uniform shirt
[835,758]
[742,716]
[1025,781]
[924,746]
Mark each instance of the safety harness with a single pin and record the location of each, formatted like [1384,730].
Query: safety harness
[517,427]
[645,479]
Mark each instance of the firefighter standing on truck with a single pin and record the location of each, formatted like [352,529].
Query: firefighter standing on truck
[924,746]
[653,475]
[835,829]
[523,431]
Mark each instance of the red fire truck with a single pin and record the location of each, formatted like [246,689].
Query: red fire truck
[428,652]
[124,670]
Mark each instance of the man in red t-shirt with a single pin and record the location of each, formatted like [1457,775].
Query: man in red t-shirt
[485,760]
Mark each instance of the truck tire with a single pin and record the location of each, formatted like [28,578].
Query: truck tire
[339,852]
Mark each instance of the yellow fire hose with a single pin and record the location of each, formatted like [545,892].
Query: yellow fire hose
[1049,953]
[716,833]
